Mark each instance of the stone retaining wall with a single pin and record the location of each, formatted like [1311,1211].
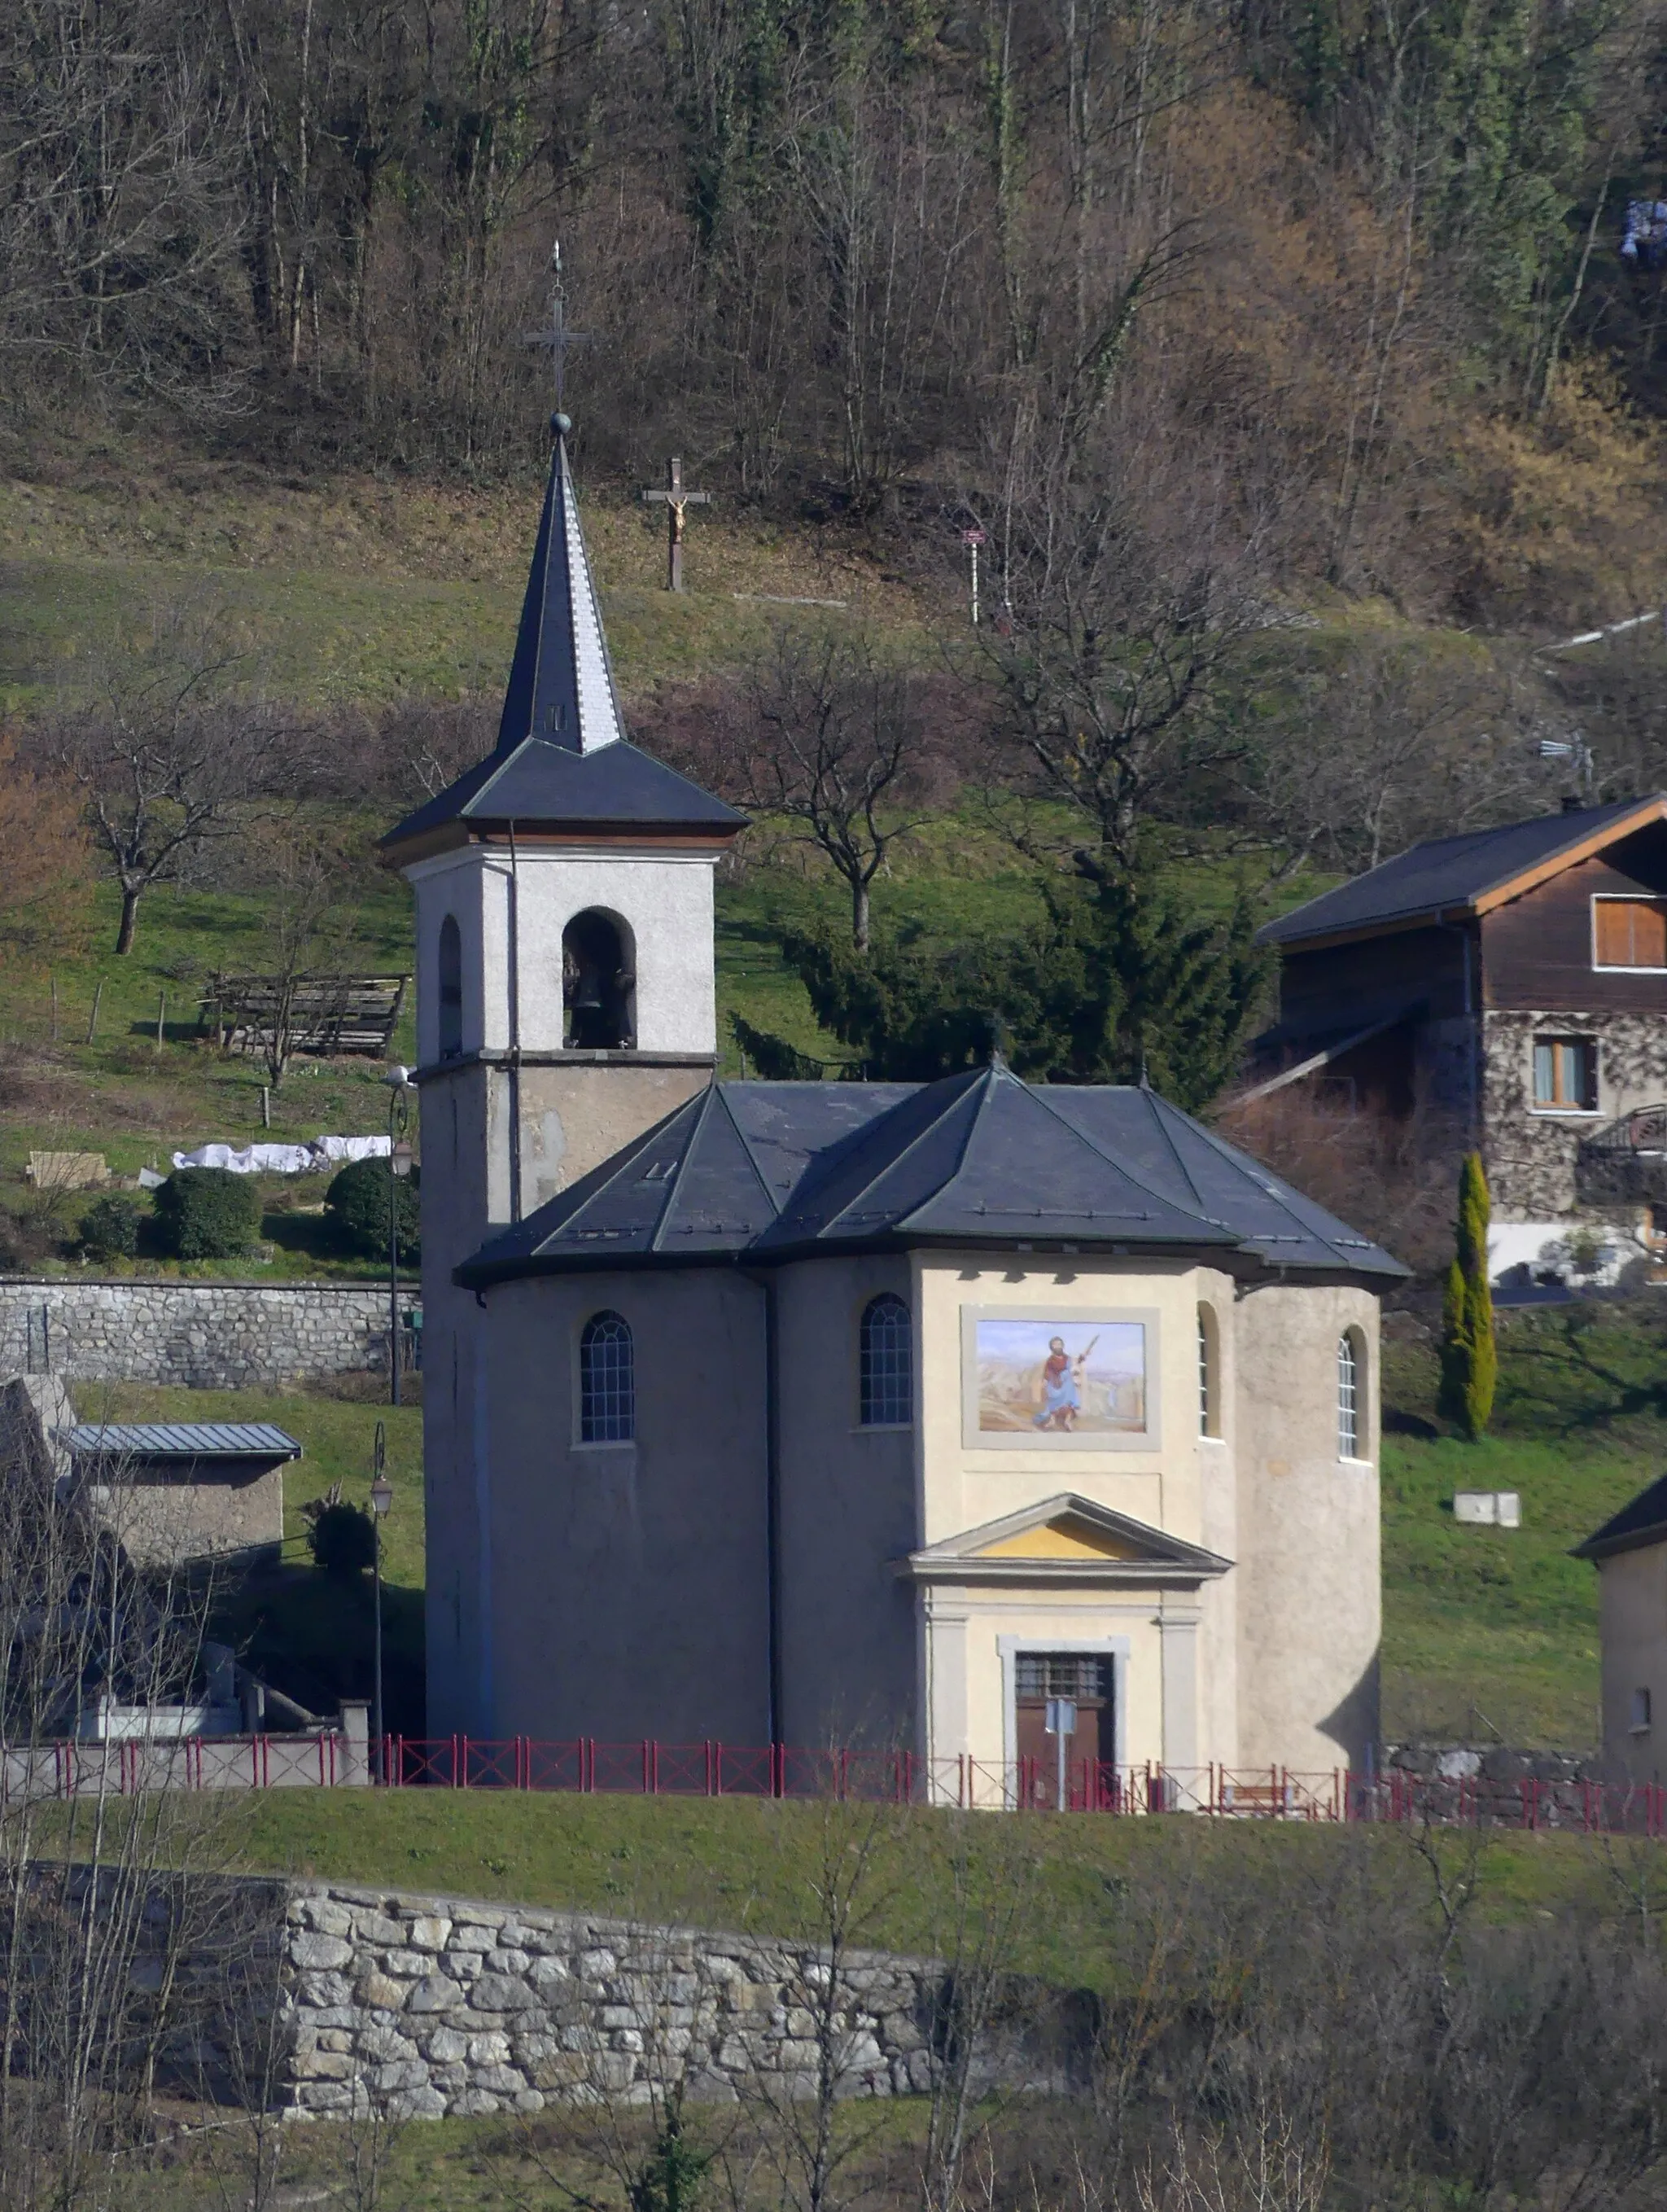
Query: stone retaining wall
[212,1336]
[435,2006]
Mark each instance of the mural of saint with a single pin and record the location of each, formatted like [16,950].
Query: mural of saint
[1059,1387]
[1057,1378]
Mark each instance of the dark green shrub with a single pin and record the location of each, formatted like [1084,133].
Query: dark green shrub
[110,1228]
[357,1208]
[343,1541]
[208,1214]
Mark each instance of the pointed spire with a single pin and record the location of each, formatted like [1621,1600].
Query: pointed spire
[560,682]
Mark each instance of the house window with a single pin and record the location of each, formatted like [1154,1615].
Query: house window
[1565,1075]
[1629,932]
[1210,1418]
[451,988]
[886,1363]
[607,1381]
[1350,1364]
[1640,1721]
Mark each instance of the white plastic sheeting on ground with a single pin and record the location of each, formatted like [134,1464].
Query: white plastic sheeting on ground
[285,1159]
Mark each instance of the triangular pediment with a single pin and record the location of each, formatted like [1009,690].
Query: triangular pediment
[1065,1537]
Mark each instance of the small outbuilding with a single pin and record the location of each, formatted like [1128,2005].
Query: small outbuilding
[1630,1554]
[179,1491]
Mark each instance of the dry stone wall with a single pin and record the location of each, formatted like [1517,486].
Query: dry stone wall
[433,2006]
[211,1336]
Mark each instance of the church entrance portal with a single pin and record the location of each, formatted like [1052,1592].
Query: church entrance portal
[596,984]
[1087,1681]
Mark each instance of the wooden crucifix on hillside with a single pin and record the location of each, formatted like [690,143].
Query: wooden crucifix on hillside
[676,502]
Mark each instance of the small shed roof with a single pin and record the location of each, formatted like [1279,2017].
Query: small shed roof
[1451,877]
[1641,1523]
[182,1440]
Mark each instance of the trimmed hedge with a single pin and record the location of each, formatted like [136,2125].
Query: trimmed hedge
[357,1208]
[208,1214]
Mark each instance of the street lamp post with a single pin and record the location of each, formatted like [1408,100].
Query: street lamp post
[401,1091]
[382,1497]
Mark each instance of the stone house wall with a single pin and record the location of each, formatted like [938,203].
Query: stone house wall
[1531,1157]
[212,1336]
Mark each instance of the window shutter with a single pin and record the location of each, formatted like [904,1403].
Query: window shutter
[1614,933]
[1631,933]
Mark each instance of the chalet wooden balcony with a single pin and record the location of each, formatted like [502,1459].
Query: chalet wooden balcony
[1625,1164]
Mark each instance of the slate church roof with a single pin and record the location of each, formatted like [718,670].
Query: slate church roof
[1449,878]
[562,760]
[779,1170]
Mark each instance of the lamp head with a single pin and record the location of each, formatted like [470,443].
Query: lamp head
[382,1496]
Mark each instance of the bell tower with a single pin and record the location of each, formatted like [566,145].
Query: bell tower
[565,997]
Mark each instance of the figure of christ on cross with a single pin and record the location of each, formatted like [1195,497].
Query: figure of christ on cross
[677,501]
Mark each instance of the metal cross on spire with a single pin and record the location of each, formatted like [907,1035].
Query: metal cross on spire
[558,336]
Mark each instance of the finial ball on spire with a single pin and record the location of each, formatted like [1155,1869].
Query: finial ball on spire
[562,425]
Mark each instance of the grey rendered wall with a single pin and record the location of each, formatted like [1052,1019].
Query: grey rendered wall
[1631,1589]
[462,1111]
[572,1115]
[629,1589]
[1309,1599]
[848,1509]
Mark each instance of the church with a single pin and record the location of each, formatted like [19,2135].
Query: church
[840,1413]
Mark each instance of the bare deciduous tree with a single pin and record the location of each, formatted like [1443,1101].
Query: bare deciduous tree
[171,757]
[839,745]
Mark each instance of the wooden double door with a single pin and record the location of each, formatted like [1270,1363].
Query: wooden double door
[1087,1680]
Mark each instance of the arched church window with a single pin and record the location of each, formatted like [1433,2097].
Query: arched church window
[1351,1377]
[886,1363]
[598,988]
[1209,1367]
[451,988]
[607,1381]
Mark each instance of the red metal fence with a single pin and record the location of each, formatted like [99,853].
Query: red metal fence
[714,1769]
[589,1766]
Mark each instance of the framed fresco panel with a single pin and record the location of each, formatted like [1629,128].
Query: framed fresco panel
[1034,1379]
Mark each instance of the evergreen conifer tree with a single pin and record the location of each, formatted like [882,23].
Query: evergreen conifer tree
[1470,1357]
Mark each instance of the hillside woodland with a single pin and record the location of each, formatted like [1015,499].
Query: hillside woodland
[1300,362]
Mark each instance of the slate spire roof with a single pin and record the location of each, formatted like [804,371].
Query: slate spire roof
[562,760]
[560,680]
[778,1170]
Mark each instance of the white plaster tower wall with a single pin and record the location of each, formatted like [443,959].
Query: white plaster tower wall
[664,899]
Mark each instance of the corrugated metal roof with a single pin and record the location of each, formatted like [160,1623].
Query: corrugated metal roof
[184,1440]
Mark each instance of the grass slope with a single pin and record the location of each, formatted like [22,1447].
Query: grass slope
[1494,1631]
[749,1864]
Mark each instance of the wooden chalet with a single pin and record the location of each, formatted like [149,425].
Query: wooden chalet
[1512,982]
